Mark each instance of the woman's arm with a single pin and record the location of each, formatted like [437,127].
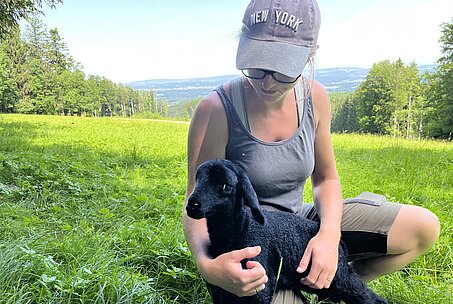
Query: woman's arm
[208,135]
[202,145]
[323,248]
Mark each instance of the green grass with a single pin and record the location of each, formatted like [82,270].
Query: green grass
[90,210]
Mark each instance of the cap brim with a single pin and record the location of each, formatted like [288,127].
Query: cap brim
[285,58]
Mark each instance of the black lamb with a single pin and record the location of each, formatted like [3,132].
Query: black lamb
[224,196]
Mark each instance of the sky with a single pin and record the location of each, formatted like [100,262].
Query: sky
[133,40]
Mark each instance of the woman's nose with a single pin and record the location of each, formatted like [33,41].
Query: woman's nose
[268,82]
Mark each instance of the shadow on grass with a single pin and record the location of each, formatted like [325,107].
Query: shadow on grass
[16,136]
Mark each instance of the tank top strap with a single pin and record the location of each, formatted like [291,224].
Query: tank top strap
[232,117]
[237,95]
[300,99]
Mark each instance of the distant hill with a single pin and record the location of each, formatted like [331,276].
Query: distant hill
[178,90]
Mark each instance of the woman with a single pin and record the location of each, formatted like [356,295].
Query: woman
[276,124]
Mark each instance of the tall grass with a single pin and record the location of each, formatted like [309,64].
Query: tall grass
[90,210]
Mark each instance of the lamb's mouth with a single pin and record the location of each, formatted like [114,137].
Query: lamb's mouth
[195,214]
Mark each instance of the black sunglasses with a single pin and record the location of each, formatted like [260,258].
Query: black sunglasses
[260,74]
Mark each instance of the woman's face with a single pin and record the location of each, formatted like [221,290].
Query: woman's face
[270,90]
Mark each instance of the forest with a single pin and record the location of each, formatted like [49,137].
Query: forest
[395,99]
[39,76]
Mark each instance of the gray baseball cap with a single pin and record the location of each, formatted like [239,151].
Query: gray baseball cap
[278,35]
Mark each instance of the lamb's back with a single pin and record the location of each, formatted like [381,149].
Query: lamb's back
[284,234]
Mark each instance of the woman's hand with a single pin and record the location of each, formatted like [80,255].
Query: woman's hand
[322,251]
[226,272]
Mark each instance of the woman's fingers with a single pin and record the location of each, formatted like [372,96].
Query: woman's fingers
[231,276]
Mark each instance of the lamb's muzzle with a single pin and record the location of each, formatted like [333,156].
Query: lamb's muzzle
[194,208]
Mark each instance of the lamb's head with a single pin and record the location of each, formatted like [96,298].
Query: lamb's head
[222,188]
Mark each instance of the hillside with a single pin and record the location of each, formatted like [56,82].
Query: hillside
[178,90]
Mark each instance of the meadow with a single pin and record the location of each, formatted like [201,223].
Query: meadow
[90,210]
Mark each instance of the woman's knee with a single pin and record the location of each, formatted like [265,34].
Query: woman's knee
[429,228]
[415,228]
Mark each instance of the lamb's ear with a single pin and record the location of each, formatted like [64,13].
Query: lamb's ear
[250,198]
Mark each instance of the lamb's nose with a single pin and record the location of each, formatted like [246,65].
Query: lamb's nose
[193,204]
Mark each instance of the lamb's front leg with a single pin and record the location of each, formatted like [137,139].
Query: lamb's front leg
[349,287]
[271,265]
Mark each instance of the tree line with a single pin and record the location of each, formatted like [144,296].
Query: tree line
[39,76]
[396,99]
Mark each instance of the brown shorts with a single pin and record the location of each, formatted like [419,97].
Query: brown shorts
[366,222]
[367,219]
[286,297]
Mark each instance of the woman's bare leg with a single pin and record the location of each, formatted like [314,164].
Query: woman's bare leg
[414,232]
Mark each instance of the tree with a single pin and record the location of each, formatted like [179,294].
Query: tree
[36,98]
[75,100]
[56,61]
[407,95]
[388,98]
[344,114]
[8,89]
[440,89]
[36,37]
[12,11]
[15,49]
[373,98]
[57,53]
[94,94]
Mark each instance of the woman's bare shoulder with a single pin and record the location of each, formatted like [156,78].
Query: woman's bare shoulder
[209,106]
[319,92]
[209,126]
[321,102]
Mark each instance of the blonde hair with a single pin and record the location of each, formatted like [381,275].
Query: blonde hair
[308,75]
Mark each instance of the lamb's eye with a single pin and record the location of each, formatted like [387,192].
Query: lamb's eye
[227,188]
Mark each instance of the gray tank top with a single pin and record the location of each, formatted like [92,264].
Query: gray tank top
[278,170]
